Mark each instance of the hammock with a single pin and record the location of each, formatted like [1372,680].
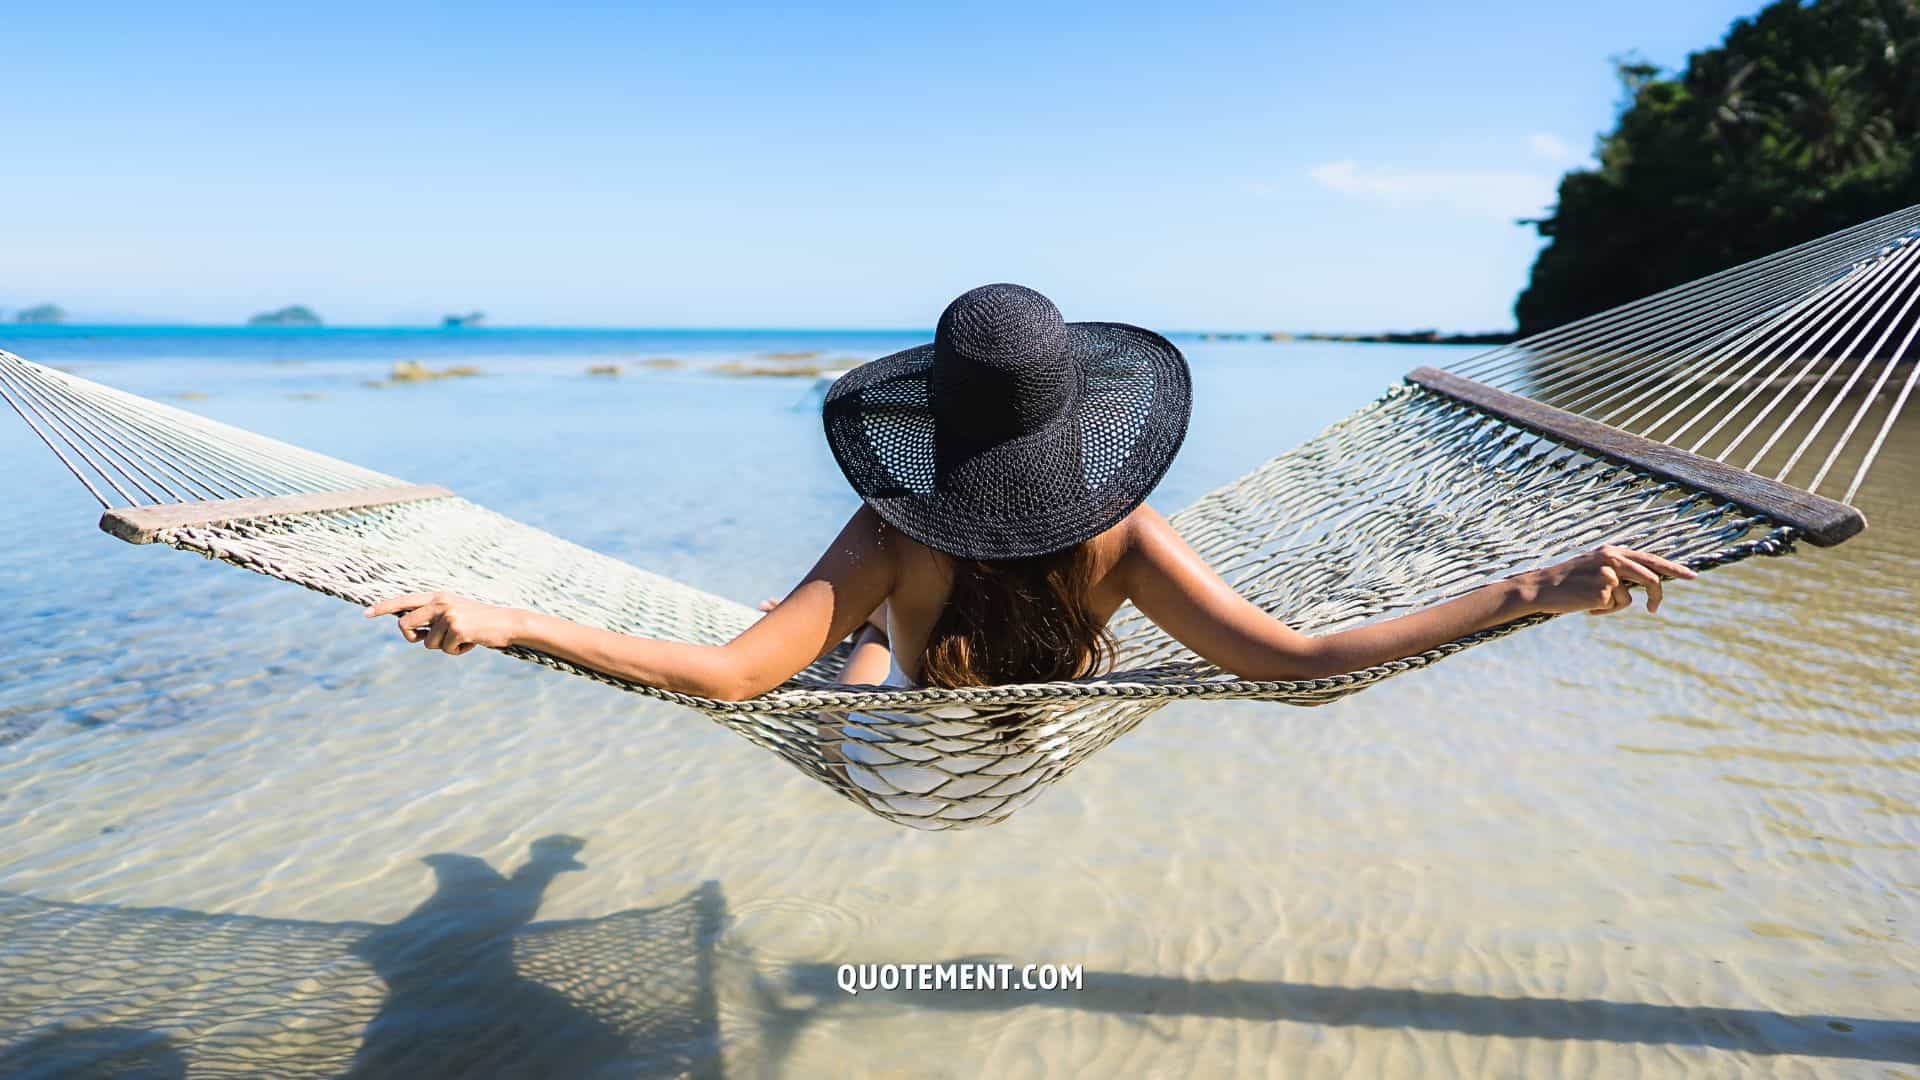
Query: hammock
[1699,424]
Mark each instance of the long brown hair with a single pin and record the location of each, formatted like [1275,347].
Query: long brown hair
[1016,621]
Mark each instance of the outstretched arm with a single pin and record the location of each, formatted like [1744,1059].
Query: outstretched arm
[851,579]
[1170,584]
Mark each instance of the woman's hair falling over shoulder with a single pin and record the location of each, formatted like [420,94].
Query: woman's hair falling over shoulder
[1017,621]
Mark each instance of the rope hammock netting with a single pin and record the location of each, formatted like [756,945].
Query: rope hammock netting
[1700,423]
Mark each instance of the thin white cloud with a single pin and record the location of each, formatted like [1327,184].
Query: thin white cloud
[1492,193]
[1552,149]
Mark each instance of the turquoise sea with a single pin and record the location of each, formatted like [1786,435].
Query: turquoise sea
[244,831]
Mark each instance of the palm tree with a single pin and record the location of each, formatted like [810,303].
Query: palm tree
[1831,124]
[1735,109]
[1893,56]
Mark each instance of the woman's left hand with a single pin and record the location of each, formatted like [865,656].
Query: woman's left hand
[455,625]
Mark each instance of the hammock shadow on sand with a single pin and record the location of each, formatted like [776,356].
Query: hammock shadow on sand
[1750,1031]
[466,984]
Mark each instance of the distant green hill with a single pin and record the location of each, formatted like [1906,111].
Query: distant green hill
[286,316]
[43,313]
[1806,119]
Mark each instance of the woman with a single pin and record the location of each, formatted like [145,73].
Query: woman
[1005,469]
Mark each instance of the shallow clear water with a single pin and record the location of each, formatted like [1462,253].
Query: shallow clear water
[1632,845]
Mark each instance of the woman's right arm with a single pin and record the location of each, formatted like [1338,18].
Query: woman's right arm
[853,577]
[1170,584]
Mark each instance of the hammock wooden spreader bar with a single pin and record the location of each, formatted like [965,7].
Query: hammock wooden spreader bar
[1822,521]
[1677,424]
[147,524]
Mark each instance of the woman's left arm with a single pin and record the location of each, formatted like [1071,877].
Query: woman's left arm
[850,580]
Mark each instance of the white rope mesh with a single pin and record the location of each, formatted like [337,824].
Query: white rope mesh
[1775,365]
[1415,498]
[1411,499]
[113,440]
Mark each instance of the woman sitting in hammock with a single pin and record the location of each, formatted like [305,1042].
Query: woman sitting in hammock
[1005,469]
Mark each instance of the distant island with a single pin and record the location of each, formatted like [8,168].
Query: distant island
[43,313]
[456,322]
[295,315]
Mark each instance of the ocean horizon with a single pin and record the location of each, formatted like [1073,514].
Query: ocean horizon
[36,331]
[491,327]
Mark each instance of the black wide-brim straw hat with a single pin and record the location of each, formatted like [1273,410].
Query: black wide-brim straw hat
[1013,434]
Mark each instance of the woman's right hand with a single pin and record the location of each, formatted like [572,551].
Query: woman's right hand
[1597,582]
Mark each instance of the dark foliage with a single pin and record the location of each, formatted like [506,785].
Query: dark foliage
[1806,119]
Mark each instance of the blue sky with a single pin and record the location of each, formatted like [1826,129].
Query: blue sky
[1184,166]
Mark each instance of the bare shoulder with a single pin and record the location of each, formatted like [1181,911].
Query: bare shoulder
[866,540]
[1146,521]
[1128,548]
[867,527]
[1156,555]
[915,569]
[1143,531]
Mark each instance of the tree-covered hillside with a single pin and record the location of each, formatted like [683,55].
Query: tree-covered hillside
[1806,119]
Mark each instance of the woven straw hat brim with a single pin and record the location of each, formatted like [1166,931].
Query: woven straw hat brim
[1041,492]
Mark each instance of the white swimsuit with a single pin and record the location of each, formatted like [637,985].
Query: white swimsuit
[936,767]
[896,677]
